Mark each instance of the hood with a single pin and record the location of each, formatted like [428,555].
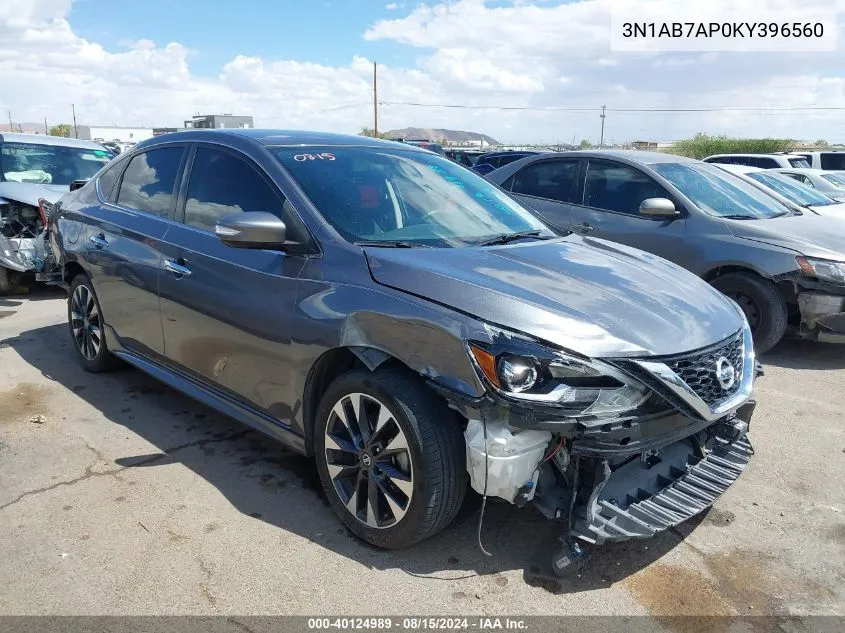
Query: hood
[809,234]
[29,193]
[832,210]
[589,296]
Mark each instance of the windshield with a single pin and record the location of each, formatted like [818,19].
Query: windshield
[49,164]
[719,193]
[799,163]
[791,189]
[387,195]
[836,179]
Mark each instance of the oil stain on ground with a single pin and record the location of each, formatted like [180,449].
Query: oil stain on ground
[743,583]
[21,402]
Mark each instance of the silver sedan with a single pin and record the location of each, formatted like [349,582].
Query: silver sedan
[830,183]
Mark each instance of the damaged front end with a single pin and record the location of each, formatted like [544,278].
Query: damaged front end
[23,237]
[613,448]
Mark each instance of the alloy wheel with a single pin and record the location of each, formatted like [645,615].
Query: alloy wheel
[369,460]
[85,322]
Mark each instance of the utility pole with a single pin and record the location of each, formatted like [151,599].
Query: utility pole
[46,129]
[11,125]
[375,100]
[602,115]
[76,130]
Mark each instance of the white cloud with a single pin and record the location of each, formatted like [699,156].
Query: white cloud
[392,6]
[469,52]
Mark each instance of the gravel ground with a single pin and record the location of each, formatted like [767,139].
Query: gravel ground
[126,497]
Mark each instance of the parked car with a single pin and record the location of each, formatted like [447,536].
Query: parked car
[465,157]
[788,191]
[410,326]
[431,146]
[833,160]
[785,270]
[35,171]
[830,183]
[493,160]
[764,161]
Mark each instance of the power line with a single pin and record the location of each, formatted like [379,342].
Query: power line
[598,108]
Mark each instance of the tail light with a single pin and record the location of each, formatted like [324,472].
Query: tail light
[44,209]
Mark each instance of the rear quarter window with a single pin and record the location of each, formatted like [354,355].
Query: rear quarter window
[833,161]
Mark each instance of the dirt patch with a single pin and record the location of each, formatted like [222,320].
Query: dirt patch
[720,518]
[21,402]
[836,534]
[734,583]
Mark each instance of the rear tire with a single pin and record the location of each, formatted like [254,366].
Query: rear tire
[430,470]
[762,303]
[87,330]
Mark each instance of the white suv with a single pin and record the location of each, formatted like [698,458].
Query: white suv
[830,160]
[763,161]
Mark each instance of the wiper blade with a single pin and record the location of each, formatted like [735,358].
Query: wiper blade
[738,216]
[504,238]
[391,244]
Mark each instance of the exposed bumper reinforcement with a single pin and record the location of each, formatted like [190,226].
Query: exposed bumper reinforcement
[683,491]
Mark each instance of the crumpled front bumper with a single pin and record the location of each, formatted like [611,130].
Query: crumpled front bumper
[18,253]
[684,487]
[822,316]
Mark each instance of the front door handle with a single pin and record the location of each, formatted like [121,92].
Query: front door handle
[177,268]
[99,241]
[583,228]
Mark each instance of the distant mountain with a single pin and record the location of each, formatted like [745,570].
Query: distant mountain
[435,134]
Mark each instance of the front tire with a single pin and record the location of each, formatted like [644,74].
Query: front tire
[390,455]
[87,328]
[762,303]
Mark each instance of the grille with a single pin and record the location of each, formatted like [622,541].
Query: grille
[698,370]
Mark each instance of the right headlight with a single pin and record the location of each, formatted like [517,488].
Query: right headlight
[825,269]
[524,370]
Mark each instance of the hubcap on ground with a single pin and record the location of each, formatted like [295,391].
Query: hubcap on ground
[369,460]
[85,322]
[752,312]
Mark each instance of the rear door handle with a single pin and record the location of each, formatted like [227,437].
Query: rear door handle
[583,228]
[177,268]
[99,241]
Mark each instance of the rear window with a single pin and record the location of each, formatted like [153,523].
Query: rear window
[800,163]
[49,164]
[834,161]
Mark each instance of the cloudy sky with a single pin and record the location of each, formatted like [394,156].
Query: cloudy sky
[298,64]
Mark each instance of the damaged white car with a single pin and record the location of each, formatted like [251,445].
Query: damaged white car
[35,171]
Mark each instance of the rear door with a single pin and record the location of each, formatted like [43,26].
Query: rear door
[549,187]
[610,209]
[227,311]
[124,244]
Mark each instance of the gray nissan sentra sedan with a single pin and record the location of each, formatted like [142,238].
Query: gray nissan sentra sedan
[414,329]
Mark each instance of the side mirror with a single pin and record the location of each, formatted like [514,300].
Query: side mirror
[252,229]
[77,184]
[658,208]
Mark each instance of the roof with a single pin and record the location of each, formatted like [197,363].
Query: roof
[807,170]
[278,137]
[41,139]
[738,169]
[770,155]
[632,155]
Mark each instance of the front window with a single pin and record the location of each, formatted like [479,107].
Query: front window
[791,190]
[836,179]
[719,193]
[49,164]
[799,163]
[392,195]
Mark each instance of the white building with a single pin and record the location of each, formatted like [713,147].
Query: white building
[114,133]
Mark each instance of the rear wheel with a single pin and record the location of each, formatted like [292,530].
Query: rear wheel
[762,303]
[86,327]
[390,455]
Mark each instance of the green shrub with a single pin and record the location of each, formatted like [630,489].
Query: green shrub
[704,145]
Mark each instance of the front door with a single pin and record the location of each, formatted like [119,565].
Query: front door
[610,209]
[548,186]
[227,311]
[124,245]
